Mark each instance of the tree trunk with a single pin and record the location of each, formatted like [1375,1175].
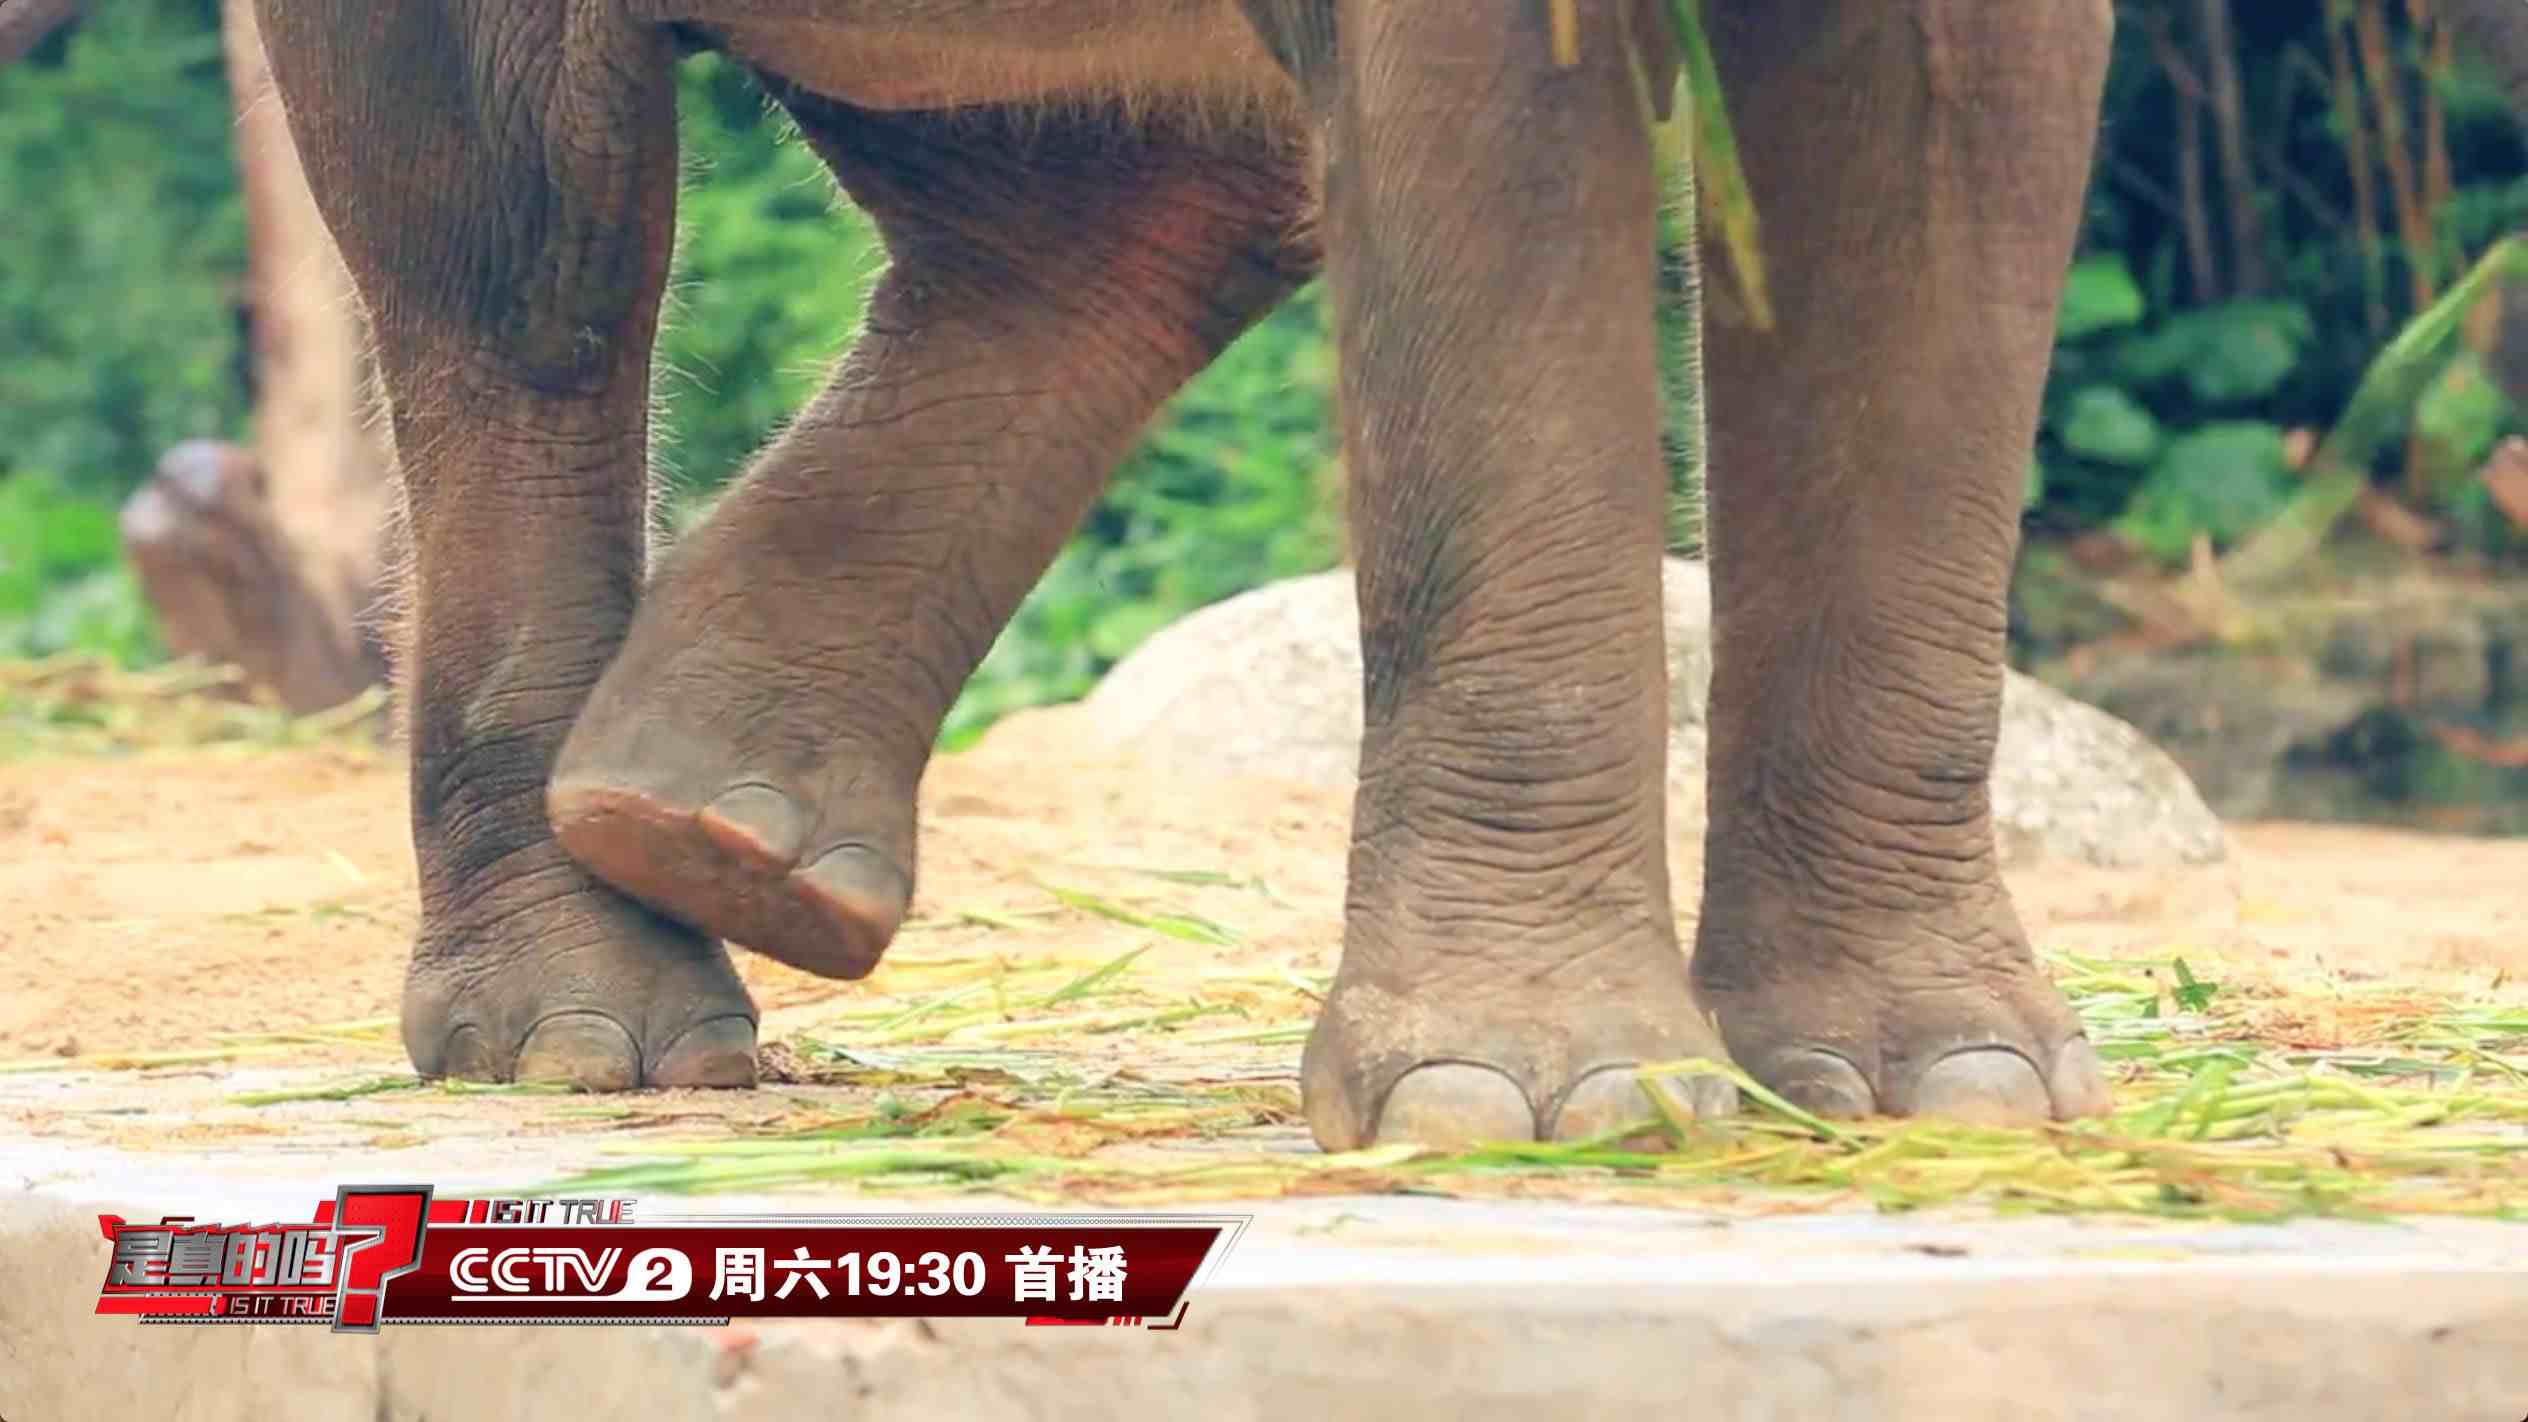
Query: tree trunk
[24,23]
[271,559]
[2495,32]
[2229,133]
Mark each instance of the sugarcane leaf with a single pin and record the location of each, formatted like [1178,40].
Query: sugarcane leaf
[1720,184]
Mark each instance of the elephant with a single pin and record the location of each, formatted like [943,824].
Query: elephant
[617,768]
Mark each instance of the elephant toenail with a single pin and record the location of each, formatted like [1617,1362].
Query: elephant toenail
[467,1055]
[1605,1100]
[755,823]
[2080,1081]
[863,885]
[1450,1105]
[720,1052]
[1991,1086]
[1712,1097]
[1822,1082]
[1614,1097]
[580,1049]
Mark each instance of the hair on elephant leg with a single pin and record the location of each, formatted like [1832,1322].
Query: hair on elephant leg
[1920,167]
[749,765]
[500,180]
[1510,951]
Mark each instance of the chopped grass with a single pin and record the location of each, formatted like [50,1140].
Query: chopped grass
[1142,1077]
[348,1091]
[1094,979]
[2352,1103]
[1192,928]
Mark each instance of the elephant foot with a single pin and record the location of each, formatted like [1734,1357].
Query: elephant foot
[582,988]
[1453,1060]
[740,863]
[1932,1013]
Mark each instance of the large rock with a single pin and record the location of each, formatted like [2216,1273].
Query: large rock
[1269,683]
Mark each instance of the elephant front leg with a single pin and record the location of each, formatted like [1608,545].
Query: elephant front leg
[1919,167]
[1510,952]
[749,764]
[499,178]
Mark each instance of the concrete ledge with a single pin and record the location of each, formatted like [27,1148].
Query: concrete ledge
[1376,1308]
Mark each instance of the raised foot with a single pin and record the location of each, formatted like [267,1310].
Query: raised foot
[1451,1067]
[584,989]
[1945,1016]
[737,866]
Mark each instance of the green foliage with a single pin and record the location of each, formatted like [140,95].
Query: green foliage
[2223,480]
[2151,420]
[2102,423]
[2390,388]
[2164,417]
[2099,294]
[61,586]
[2183,341]
[771,269]
[2456,422]
[1230,491]
[1720,187]
[2224,356]
[124,241]
[1679,320]
[124,244]
[2122,380]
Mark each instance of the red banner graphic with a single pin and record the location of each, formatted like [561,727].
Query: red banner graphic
[504,1272]
[393,1254]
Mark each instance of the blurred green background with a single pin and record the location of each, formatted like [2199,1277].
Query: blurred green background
[2226,302]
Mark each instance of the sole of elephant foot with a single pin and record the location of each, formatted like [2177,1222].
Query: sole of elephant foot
[1386,1067]
[588,990]
[733,867]
[1965,1027]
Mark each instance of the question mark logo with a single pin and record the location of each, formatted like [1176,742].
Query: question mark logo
[380,1227]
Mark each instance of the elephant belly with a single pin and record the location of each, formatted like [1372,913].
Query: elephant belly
[929,54]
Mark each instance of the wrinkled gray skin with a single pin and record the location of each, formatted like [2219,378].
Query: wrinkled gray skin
[1084,201]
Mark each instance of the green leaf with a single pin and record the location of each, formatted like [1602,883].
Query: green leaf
[2250,348]
[2341,468]
[2159,353]
[2098,295]
[49,535]
[2103,423]
[2223,480]
[2034,493]
[1720,184]
[2461,413]
[2192,993]
[2225,355]
[102,612]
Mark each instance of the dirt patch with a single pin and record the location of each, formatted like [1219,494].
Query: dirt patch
[161,899]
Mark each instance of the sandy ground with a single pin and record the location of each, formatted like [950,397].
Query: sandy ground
[159,900]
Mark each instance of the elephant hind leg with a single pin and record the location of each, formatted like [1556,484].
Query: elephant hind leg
[1920,168]
[750,763]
